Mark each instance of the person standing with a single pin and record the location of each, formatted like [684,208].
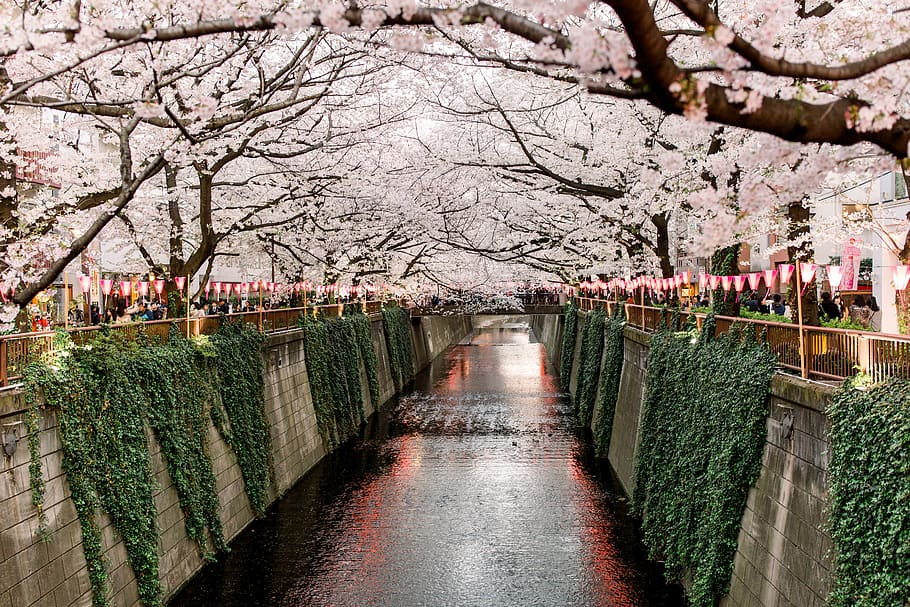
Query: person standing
[828,308]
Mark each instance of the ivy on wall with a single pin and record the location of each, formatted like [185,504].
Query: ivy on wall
[702,433]
[592,342]
[567,353]
[239,414]
[398,339]
[364,330]
[869,516]
[334,350]
[610,374]
[106,394]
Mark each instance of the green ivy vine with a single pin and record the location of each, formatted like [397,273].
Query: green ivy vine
[107,393]
[398,339]
[869,478]
[363,329]
[239,414]
[702,433]
[725,262]
[592,342]
[334,349]
[567,353]
[610,374]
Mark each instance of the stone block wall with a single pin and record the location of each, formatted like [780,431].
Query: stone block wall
[783,555]
[783,552]
[547,330]
[53,574]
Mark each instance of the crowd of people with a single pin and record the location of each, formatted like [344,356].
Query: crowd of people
[859,309]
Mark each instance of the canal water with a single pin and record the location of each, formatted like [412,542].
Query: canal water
[476,489]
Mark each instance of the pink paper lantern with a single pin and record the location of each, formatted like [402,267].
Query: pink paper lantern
[786,271]
[217,287]
[807,271]
[835,274]
[770,278]
[159,285]
[125,288]
[107,285]
[178,280]
[702,281]
[677,281]
[143,287]
[901,275]
[727,282]
[208,287]
[740,281]
[715,281]
[85,283]
[686,277]
[754,280]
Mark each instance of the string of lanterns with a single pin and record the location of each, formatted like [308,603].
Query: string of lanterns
[735,284]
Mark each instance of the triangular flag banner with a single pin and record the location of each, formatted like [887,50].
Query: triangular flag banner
[786,271]
[715,281]
[740,281]
[807,271]
[754,280]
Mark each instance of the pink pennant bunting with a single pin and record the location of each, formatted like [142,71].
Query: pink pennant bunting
[807,271]
[786,271]
[715,281]
[835,274]
[754,280]
[901,275]
[739,281]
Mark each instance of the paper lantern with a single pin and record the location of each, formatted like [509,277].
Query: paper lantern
[208,287]
[770,278]
[786,271]
[739,281]
[216,286]
[125,288]
[107,285]
[159,285]
[807,271]
[835,273]
[715,281]
[179,281]
[901,275]
[677,281]
[143,287]
[686,277]
[754,280]
[727,282]
[85,283]
[702,282]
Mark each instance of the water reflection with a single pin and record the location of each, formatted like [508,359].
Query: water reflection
[473,490]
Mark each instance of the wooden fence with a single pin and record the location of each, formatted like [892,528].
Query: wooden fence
[18,349]
[830,354]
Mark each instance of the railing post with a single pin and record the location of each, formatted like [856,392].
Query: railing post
[864,353]
[4,361]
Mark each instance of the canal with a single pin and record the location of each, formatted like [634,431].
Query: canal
[474,490]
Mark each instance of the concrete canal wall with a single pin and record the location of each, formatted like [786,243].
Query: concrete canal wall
[53,574]
[782,555]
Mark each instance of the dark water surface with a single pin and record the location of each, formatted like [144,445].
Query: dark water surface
[474,490]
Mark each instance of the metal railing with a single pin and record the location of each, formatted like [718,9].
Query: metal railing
[830,354]
[19,349]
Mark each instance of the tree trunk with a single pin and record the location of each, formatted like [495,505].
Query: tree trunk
[662,244]
[725,262]
[797,227]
